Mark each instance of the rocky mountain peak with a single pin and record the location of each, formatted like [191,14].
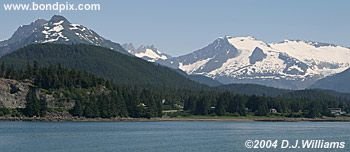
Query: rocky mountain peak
[57,30]
[146,52]
[58,19]
[39,22]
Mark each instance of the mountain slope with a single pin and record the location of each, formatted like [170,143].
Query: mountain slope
[149,53]
[339,82]
[106,63]
[254,89]
[57,30]
[291,64]
[204,80]
[259,90]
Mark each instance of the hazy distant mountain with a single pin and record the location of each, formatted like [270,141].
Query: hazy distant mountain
[149,53]
[339,82]
[57,30]
[291,64]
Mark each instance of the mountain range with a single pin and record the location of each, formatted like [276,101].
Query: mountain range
[290,64]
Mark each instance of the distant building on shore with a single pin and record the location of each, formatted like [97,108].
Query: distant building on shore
[336,111]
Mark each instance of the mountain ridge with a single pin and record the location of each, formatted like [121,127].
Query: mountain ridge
[336,82]
[56,30]
[291,64]
[146,52]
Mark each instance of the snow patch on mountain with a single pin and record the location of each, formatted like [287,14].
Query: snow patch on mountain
[58,23]
[191,68]
[149,53]
[248,43]
[53,33]
[155,55]
[306,50]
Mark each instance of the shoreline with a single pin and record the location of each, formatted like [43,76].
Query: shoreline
[218,119]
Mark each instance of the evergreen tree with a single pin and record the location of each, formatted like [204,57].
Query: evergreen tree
[43,107]
[32,104]
[77,109]
[2,69]
[202,107]
[314,109]
[262,108]
[220,108]
[91,110]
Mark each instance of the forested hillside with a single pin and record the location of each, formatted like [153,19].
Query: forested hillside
[119,68]
[90,95]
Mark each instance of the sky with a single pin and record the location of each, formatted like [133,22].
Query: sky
[178,27]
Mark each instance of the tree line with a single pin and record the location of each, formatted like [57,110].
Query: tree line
[307,103]
[92,96]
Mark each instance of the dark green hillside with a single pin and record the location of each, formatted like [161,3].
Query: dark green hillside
[54,89]
[254,89]
[204,80]
[260,90]
[119,68]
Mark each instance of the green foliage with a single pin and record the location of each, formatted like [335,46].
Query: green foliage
[4,111]
[34,106]
[119,68]
[314,110]
[253,89]
[262,109]
[77,109]
[298,104]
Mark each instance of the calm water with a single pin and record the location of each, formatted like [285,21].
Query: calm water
[160,136]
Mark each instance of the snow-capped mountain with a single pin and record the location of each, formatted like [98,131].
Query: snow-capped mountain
[149,53]
[291,64]
[57,30]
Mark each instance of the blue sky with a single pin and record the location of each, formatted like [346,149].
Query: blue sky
[182,26]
